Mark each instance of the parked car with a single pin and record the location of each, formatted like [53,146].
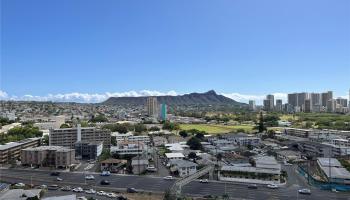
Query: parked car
[305,191]
[272,186]
[89,177]
[55,174]
[105,173]
[151,169]
[59,179]
[20,184]
[104,182]
[168,178]
[253,186]
[204,181]
[131,190]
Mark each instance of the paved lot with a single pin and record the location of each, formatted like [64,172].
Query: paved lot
[157,184]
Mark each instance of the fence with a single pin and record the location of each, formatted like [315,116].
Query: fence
[322,185]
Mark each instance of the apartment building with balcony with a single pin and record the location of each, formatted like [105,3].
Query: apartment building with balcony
[67,137]
[48,156]
[12,151]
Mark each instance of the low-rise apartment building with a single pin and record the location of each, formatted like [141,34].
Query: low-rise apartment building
[266,171]
[183,167]
[323,149]
[12,151]
[48,156]
[129,148]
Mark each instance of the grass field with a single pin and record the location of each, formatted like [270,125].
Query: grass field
[216,129]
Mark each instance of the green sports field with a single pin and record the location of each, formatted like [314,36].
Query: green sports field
[216,129]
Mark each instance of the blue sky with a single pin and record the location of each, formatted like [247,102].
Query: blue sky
[243,47]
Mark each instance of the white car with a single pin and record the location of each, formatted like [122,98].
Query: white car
[20,185]
[272,186]
[59,179]
[304,191]
[151,169]
[90,191]
[105,173]
[204,181]
[168,178]
[101,193]
[78,189]
[89,177]
[111,195]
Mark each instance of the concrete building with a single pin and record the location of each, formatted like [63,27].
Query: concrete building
[269,102]
[303,133]
[325,97]
[174,156]
[52,123]
[152,107]
[266,171]
[163,112]
[331,105]
[252,105]
[48,156]
[183,167]
[307,106]
[293,99]
[129,149]
[333,170]
[325,149]
[139,164]
[67,137]
[315,99]
[302,97]
[342,102]
[21,194]
[88,150]
[241,139]
[279,105]
[12,151]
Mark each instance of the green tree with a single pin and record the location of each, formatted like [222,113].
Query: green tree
[194,143]
[192,155]
[170,126]
[154,128]
[183,133]
[261,127]
[139,128]
[98,118]
[105,155]
[65,126]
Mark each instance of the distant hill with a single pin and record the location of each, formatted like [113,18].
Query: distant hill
[207,98]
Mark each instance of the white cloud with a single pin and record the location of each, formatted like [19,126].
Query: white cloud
[244,98]
[3,95]
[85,97]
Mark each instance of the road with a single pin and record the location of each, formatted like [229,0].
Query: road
[157,184]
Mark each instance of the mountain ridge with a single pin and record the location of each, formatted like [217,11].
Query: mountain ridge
[206,98]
